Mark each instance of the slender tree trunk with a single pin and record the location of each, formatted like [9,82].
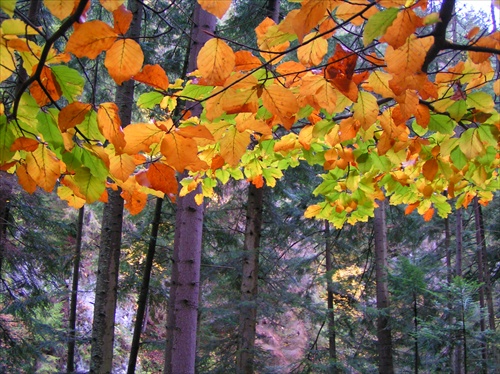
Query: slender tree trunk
[6,182]
[449,279]
[415,331]
[332,348]
[458,272]
[480,279]
[180,349]
[249,281]
[143,295]
[101,355]
[385,365]
[70,362]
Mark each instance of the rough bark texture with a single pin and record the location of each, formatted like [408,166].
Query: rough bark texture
[385,365]
[180,349]
[143,295]
[249,281]
[101,355]
[70,362]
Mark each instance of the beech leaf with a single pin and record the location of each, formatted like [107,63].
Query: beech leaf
[124,60]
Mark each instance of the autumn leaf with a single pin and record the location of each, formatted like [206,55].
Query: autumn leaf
[8,65]
[179,151]
[216,61]
[72,114]
[135,200]
[25,144]
[216,7]
[109,123]
[405,24]
[88,185]
[470,144]
[140,136]
[233,145]
[282,103]
[365,109]
[198,131]
[339,71]
[312,53]
[51,86]
[378,24]
[122,19]
[43,166]
[24,179]
[59,8]
[154,76]
[430,169]
[245,61]
[90,39]
[162,178]
[111,5]
[67,194]
[310,14]
[124,60]
[121,166]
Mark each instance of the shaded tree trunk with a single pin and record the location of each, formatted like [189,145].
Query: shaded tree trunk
[249,281]
[332,348]
[458,353]
[180,349]
[70,362]
[101,355]
[385,365]
[6,183]
[143,295]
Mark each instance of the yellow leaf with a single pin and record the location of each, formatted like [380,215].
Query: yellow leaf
[365,109]
[8,64]
[67,194]
[305,137]
[312,53]
[216,7]
[282,103]
[233,145]
[216,61]
[312,211]
[111,5]
[90,39]
[60,8]
[378,82]
[8,6]
[409,57]
[347,10]
[110,123]
[43,166]
[17,27]
[123,60]
[121,166]
[247,121]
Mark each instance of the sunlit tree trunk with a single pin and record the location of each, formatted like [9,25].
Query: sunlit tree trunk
[249,281]
[385,365]
[101,355]
[70,362]
[143,295]
[180,350]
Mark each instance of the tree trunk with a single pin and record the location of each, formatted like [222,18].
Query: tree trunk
[101,355]
[6,183]
[449,279]
[143,295]
[458,353]
[70,362]
[385,365]
[249,281]
[180,349]
[332,348]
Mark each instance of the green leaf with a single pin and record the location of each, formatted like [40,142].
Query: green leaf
[88,185]
[458,110]
[470,144]
[149,99]
[321,128]
[488,134]
[195,92]
[481,101]
[70,80]
[90,129]
[442,124]
[378,24]
[28,110]
[47,126]
[8,6]
[458,158]
[6,139]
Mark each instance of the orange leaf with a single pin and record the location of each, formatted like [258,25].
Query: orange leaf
[73,114]
[247,121]
[282,103]
[312,53]
[124,60]
[111,5]
[140,136]
[109,123]
[122,17]
[216,7]
[198,131]
[24,179]
[59,8]
[311,13]
[154,76]
[403,26]
[135,200]
[428,214]
[90,39]
[430,169]
[258,181]
[349,128]
[25,144]
[340,70]
[179,151]
[245,60]
[347,10]
[162,178]
[51,86]
[319,93]
[216,61]
[410,208]
[121,166]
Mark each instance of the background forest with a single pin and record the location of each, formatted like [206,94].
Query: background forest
[279,292]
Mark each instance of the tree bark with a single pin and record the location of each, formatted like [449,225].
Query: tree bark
[249,281]
[143,295]
[101,355]
[385,365]
[182,319]
[70,362]
[332,348]
[458,353]
[6,183]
